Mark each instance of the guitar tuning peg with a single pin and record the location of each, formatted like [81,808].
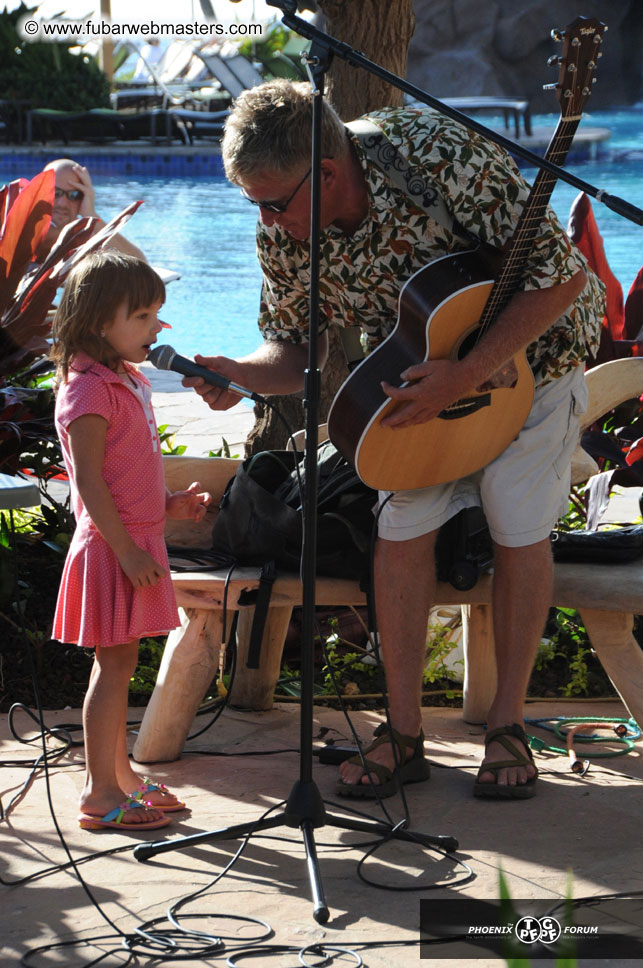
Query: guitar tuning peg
[554,60]
[557,34]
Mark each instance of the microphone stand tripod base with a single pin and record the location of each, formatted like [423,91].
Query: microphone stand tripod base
[304,809]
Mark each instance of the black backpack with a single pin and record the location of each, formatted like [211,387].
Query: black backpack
[260,517]
[260,524]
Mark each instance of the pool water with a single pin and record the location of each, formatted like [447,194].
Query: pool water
[204,229]
[617,171]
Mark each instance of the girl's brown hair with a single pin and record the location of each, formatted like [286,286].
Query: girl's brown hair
[93,292]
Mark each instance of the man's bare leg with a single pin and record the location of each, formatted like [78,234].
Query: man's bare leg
[404,592]
[522,592]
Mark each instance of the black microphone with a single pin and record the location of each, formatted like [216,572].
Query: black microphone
[166,358]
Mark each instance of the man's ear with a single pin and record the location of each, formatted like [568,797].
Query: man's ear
[329,172]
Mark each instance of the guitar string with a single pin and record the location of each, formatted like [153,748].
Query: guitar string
[535,208]
[522,240]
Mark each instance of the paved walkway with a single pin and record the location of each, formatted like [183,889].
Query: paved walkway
[586,829]
[583,828]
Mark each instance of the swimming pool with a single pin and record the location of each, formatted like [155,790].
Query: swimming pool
[202,227]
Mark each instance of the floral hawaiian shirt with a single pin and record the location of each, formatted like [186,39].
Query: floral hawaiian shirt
[361,275]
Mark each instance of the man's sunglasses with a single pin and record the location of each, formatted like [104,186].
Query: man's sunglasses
[278,207]
[74,195]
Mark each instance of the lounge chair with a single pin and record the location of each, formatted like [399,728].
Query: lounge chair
[235,74]
[192,125]
[172,80]
[98,124]
[281,65]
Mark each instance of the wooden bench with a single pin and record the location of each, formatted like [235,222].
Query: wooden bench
[607,597]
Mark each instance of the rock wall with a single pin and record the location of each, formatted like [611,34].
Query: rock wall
[464,47]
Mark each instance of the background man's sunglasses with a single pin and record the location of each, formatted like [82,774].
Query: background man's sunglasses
[279,207]
[75,195]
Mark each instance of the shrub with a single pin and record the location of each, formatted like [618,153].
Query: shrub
[48,75]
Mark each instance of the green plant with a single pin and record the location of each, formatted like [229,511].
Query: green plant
[150,653]
[168,447]
[546,654]
[7,564]
[576,516]
[566,944]
[439,646]
[29,444]
[344,665]
[278,51]
[48,75]
[565,664]
[572,637]
[223,451]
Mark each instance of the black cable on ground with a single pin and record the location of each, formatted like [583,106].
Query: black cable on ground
[179,943]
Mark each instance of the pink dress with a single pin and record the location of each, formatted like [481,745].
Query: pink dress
[97,603]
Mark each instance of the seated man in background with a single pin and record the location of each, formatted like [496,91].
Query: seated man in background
[74,196]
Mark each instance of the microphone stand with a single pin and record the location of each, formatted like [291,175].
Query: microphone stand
[305,807]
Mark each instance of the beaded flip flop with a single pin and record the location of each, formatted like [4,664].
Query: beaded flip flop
[116,818]
[148,786]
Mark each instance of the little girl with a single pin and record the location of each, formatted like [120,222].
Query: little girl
[116,585]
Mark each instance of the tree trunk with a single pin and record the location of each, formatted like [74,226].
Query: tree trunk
[381,30]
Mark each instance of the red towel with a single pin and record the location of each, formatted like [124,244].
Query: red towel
[634,309]
[583,231]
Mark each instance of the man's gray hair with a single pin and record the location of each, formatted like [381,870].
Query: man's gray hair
[269,129]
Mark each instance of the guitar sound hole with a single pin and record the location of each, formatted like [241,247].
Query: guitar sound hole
[468,343]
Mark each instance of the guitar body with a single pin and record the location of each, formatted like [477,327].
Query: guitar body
[439,309]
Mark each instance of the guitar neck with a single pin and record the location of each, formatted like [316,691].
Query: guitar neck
[529,223]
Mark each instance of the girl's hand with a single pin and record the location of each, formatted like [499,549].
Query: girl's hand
[192,503]
[141,569]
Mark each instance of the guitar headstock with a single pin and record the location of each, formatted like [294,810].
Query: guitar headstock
[582,41]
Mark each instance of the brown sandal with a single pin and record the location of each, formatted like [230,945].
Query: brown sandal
[413,770]
[502,791]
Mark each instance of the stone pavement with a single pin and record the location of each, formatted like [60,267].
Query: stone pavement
[583,828]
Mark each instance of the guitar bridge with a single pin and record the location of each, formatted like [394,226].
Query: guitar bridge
[462,408]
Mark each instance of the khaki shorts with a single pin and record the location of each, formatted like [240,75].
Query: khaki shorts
[523,492]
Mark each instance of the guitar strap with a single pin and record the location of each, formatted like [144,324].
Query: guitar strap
[380,150]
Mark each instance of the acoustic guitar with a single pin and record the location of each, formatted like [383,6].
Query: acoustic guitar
[444,309]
